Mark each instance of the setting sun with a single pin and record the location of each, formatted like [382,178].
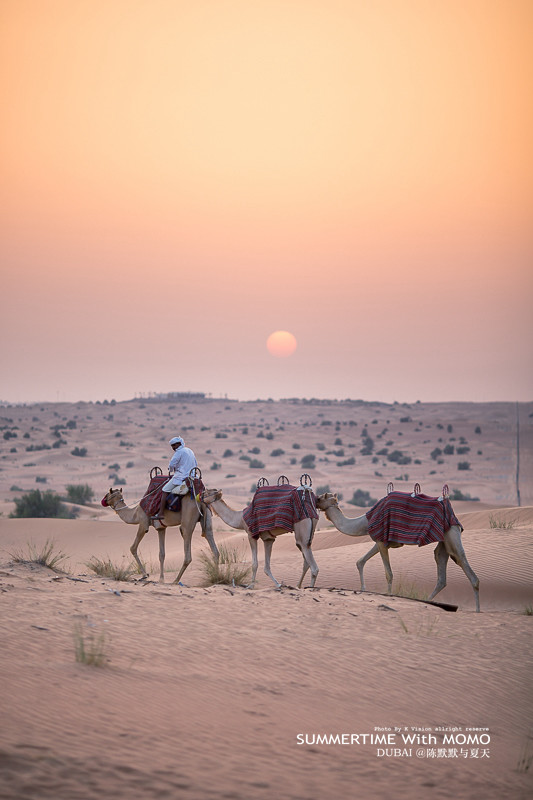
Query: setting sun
[281,344]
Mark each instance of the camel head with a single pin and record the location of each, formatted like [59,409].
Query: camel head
[211,495]
[325,501]
[112,497]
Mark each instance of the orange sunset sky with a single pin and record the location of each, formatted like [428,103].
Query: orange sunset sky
[181,179]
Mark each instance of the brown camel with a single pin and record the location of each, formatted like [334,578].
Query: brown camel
[451,546]
[303,534]
[190,514]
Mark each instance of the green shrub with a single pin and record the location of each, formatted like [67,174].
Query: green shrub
[308,460]
[227,453]
[255,463]
[277,452]
[362,498]
[37,504]
[464,465]
[79,493]
[80,451]
[348,462]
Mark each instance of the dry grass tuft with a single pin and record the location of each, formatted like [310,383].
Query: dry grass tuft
[47,556]
[105,568]
[230,568]
[502,524]
[90,648]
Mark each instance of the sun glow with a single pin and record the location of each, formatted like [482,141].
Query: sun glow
[281,344]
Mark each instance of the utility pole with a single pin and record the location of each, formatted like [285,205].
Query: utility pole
[517,455]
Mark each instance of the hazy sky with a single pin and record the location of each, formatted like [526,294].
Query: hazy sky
[181,179]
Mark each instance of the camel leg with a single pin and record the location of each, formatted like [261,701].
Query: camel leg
[161,534]
[361,565]
[302,539]
[454,547]
[207,531]
[306,567]
[441,557]
[133,549]
[268,543]
[253,548]
[384,553]
[187,557]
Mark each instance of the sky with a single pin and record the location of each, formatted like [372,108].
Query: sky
[181,179]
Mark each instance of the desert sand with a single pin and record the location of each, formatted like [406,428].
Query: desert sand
[220,691]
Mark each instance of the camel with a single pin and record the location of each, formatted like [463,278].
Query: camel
[303,534]
[186,518]
[358,526]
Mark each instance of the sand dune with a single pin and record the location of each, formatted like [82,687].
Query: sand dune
[207,692]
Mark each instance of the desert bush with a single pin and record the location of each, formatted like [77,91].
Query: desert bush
[215,465]
[348,462]
[457,494]
[436,453]
[40,479]
[15,488]
[255,463]
[227,453]
[449,450]
[79,493]
[296,446]
[464,465]
[47,556]
[230,568]
[362,498]
[308,460]
[220,435]
[37,504]
[320,446]
[80,451]
[90,650]
[398,457]
[255,451]
[502,524]
[277,452]
[105,568]
[461,451]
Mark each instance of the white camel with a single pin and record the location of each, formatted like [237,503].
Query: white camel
[451,546]
[303,534]
[186,518]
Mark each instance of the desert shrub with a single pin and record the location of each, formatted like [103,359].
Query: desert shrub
[37,504]
[461,451]
[79,493]
[16,488]
[91,650]
[269,436]
[457,494]
[215,465]
[498,522]
[39,479]
[221,435]
[79,451]
[477,430]
[255,451]
[47,556]
[450,428]
[348,462]
[362,498]
[405,419]
[255,463]
[122,443]
[114,467]
[105,568]
[130,464]
[368,446]
[72,424]
[398,457]
[296,446]
[36,447]
[338,442]
[277,452]
[449,450]
[464,465]
[436,453]
[244,458]
[320,446]
[230,568]
[227,453]
[10,435]
[308,460]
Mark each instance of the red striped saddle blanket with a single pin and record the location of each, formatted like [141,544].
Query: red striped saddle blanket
[403,519]
[279,507]
[152,497]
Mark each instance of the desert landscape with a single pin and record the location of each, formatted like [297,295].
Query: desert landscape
[220,691]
